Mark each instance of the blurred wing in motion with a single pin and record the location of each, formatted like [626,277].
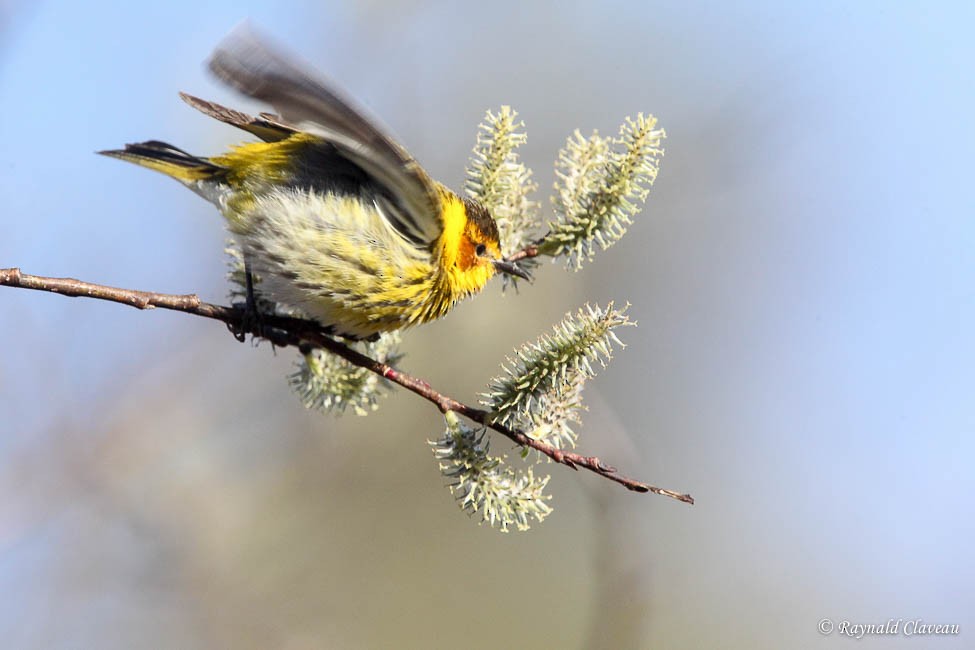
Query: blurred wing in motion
[307,102]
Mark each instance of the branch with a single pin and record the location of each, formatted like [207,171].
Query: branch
[525,253]
[284,331]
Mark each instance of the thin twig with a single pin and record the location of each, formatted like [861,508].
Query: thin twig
[524,253]
[284,331]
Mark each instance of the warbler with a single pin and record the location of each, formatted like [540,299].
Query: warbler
[336,218]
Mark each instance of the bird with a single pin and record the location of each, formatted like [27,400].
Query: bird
[334,216]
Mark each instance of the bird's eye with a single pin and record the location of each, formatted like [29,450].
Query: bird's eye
[480,250]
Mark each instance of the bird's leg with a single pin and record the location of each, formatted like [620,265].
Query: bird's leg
[249,284]
[252,321]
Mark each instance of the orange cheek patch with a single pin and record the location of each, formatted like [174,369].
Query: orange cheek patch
[465,254]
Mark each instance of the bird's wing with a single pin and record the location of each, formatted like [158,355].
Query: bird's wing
[266,127]
[307,102]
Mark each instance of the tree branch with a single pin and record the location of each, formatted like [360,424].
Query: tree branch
[526,252]
[284,331]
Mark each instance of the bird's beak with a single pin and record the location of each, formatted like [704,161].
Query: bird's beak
[511,269]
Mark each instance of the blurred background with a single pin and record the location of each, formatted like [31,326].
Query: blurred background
[804,364]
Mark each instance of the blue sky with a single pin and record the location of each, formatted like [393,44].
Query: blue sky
[803,279]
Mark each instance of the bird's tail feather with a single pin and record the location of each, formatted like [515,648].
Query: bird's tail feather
[169,160]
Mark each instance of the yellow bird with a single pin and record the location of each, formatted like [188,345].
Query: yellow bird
[336,217]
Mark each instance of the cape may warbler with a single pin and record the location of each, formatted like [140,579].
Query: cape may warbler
[335,216]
